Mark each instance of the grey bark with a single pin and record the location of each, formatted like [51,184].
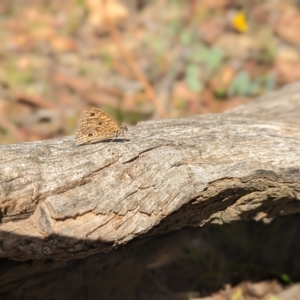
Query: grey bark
[62,201]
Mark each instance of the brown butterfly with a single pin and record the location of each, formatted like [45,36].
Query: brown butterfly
[96,126]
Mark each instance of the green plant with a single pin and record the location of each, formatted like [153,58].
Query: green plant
[242,85]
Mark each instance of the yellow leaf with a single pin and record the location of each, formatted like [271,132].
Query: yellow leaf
[238,294]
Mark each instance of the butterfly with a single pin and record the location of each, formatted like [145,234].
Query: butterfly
[96,126]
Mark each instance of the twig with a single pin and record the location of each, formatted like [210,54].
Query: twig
[132,64]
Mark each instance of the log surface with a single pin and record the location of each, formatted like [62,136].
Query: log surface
[62,201]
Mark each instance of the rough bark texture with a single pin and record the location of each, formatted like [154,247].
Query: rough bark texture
[62,201]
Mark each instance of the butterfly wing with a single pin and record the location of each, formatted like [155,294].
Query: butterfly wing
[96,126]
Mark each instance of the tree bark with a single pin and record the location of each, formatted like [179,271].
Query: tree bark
[62,201]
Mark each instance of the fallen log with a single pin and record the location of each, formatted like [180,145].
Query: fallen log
[60,201]
[63,201]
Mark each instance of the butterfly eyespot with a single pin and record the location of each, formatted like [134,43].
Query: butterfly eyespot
[97,126]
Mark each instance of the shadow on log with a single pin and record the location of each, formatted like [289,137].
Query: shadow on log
[62,202]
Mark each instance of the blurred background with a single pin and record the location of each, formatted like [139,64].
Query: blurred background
[138,59]
[152,59]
